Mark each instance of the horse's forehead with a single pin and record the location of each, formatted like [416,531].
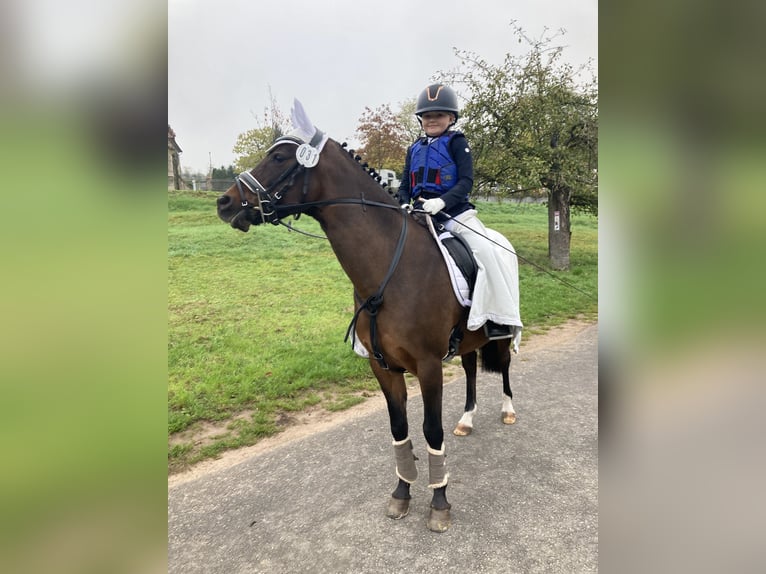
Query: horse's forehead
[282,141]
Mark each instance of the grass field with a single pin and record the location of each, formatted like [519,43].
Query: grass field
[256,321]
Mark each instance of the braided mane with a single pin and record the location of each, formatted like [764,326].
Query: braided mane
[366,167]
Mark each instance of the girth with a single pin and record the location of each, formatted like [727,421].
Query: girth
[373,303]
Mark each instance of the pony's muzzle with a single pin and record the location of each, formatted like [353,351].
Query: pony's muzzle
[225,207]
[232,213]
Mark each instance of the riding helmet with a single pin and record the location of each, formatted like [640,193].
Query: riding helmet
[437,98]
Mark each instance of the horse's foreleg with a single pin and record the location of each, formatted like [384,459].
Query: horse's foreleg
[509,415]
[439,516]
[395,390]
[399,504]
[465,424]
[431,388]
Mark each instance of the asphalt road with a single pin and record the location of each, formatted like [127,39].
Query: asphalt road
[524,497]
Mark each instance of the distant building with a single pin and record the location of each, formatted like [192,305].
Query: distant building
[174,163]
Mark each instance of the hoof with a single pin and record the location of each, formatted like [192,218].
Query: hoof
[438,520]
[509,418]
[462,430]
[398,508]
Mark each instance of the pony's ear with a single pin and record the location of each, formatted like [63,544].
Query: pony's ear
[302,126]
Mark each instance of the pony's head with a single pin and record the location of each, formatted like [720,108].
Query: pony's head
[261,194]
[291,180]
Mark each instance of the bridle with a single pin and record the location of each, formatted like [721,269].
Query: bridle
[268,199]
[266,196]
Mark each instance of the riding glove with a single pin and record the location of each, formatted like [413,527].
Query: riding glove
[433,206]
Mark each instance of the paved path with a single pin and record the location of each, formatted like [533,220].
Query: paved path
[524,497]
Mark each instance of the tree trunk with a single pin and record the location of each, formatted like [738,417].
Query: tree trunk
[559,233]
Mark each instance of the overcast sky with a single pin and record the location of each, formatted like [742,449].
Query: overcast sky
[336,56]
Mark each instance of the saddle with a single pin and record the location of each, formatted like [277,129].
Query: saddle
[461,257]
[463,270]
[458,257]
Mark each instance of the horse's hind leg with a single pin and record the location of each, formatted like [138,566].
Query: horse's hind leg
[395,390]
[509,415]
[496,358]
[465,424]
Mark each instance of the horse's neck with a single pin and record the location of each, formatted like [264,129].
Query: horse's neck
[363,238]
[364,243]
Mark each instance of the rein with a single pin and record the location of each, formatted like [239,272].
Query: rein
[374,301]
[268,206]
[276,212]
[272,212]
[532,263]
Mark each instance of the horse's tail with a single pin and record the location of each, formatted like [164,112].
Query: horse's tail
[495,356]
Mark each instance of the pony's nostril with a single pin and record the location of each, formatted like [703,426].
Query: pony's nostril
[224,201]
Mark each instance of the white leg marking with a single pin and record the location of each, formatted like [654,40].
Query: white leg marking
[465,424]
[467,418]
[509,415]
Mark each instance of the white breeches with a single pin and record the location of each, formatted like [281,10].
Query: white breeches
[496,294]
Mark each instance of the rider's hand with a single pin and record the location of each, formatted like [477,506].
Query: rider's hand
[433,206]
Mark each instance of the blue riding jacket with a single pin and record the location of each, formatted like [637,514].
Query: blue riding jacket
[441,167]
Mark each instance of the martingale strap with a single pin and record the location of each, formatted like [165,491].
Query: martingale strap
[374,301]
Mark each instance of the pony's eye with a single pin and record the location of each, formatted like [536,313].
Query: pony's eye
[278,157]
